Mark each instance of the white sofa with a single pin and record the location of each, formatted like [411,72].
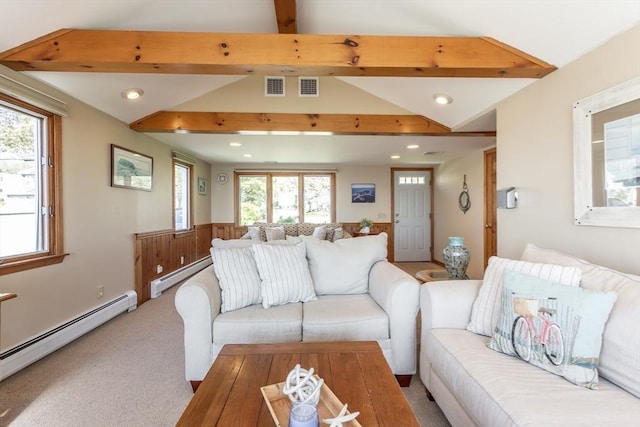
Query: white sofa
[382,307]
[477,386]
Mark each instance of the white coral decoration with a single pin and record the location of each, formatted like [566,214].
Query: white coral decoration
[342,417]
[302,386]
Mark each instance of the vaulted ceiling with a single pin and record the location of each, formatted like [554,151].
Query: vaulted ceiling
[392,56]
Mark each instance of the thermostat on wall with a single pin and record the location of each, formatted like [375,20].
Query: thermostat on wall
[222,178]
[507,198]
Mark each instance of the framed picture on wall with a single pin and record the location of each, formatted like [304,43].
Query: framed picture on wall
[202,186]
[363,193]
[130,169]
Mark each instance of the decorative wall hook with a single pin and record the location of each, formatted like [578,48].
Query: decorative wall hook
[464,202]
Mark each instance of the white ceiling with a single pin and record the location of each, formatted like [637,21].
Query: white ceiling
[555,31]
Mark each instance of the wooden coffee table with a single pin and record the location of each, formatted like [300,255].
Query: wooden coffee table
[356,372]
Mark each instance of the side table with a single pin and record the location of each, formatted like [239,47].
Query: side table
[432,274]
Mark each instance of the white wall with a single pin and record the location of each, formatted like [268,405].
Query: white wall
[449,220]
[535,154]
[99,223]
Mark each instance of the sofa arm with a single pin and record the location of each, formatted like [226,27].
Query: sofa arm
[397,292]
[447,304]
[198,301]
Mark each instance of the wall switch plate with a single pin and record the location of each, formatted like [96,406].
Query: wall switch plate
[158,269]
[100,291]
[181,260]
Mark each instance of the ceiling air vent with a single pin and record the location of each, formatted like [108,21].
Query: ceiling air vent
[274,86]
[308,86]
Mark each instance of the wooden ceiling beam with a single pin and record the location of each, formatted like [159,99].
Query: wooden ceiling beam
[272,54]
[337,124]
[286,16]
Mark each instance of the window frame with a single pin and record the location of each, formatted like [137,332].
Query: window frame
[52,193]
[269,191]
[189,168]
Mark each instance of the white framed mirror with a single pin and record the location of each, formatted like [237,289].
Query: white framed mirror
[606,144]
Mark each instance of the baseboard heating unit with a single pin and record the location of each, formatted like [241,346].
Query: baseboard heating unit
[162,284]
[21,356]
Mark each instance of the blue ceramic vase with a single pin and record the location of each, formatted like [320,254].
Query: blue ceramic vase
[456,258]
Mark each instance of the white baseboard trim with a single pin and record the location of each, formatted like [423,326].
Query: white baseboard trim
[22,355]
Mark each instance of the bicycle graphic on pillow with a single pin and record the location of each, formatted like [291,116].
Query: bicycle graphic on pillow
[524,334]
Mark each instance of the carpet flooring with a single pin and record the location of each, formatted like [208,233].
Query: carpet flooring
[127,372]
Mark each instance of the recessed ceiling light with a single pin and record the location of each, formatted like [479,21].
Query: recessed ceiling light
[247,155]
[442,98]
[235,144]
[132,94]
[395,156]
[413,147]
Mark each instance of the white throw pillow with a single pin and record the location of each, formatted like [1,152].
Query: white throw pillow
[238,277]
[486,307]
[342,267]
[284,273]
[274,233]
[254,233]
[320,232]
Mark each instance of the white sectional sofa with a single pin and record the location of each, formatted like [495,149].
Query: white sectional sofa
[477,386]
[357,296]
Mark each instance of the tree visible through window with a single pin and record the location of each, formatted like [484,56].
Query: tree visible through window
[30,221]
[285,197]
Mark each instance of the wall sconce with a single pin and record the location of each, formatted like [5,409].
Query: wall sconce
[507,198]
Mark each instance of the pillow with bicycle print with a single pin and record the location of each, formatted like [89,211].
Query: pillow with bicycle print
[555,327]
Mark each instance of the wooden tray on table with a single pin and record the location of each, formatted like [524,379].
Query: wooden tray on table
[329,406]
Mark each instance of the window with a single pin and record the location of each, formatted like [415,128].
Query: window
[285,197]
[30,207]
[181,196]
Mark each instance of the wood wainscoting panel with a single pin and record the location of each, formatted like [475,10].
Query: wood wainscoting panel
[204,235]
[171,251]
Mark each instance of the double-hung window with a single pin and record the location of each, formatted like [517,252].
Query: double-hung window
[181,196]
[285,197]
[30,185]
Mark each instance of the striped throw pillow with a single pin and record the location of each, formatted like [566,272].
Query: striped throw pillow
[284,272]
[238,277]
[486,308]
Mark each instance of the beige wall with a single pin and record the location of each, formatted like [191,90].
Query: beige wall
[99,223]
[535,154]
[223,203]
[247,95]
[449,220]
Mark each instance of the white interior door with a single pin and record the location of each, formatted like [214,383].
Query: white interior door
[412,216]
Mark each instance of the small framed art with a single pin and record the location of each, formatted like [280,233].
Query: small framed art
[130,169]
[363,193]
[202,186]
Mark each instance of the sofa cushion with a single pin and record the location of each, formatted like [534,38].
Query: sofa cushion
[344,318]
[573,317]
[619,360]
[342,267]
[238,277]
[284,273]
[499,390]
[486,307]
[233,243]
[254,324]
